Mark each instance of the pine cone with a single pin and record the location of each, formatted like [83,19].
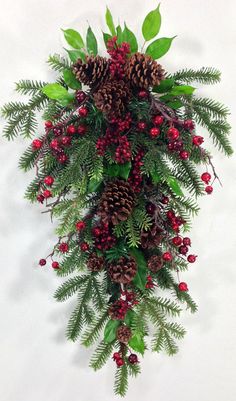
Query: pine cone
[155,263]
[123,270]
[112,98]
[117,202]
[93,72]
[95,263]
[151,238]
[123,334]
[117,311]
[143,72]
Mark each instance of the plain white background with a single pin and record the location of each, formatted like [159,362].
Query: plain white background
[36,361]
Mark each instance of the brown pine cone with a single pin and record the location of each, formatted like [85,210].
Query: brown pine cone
[155,263]
[95,263]
[117,311]
[151,238]
[93,72]
[117,202]
[112,98]
[123,270]
[123,334]
[143,72]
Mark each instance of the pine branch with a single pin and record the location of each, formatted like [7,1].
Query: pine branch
[184,297]
[211,107]
[167,306]
[29,87]
[58,63]
[91,335]
[121,381]
[70,287]
[205,75]
[28,159]
[101,355]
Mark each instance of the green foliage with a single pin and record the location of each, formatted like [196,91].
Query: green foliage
[121,381]
[152,24]
[129,37]
[110,330]
[58,63]
[91,335]
[91,42]
[57,92]
[159,47]
[205,75]
[110,23]
[101,355]
[73,38]
[137,342]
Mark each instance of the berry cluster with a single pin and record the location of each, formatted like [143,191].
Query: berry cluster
[117,357]
[103,237]
[135,177]
[123,149]
[174,221]
[118,56]
[206,178]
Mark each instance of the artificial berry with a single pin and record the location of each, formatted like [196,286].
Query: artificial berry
[116,356]
[66,140]
[55,265]
[47,194]
[189,124]
[183,286]
[165,200]
[167,257]
[48,124]
[80,96]
[143,94]
[170,214]
[187,241]
[177,241]
[158,120]
[120,362]
[49,180]
[142,125]
[40,198]
[154,132]
[191,258]
[71,130]
[81,130]
[184,154]
[54,144]
[183,250]
[171,146]
[133,359]
[42,262]
[37,144]
[206,177]
[84,246]
[178,145]
[151,208]
[83,112]
[62,158]
[63,247]
[197,140]
[209,189]
[57,131]
[80,225]
[173,133]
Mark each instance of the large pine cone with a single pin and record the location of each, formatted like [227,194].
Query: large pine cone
[93,72]
[123,334]
[152,237]
[112,98]
[95,263]
[143,72]
[117,202]
[123,270]
[155,263]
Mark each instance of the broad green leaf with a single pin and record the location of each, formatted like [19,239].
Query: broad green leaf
[106,37]
[129,36]
[182,90]
[94,185]
[155,177]
[59,93]
[75,54]
[91,42]
[141,275]
[110,23]
[175,104]
[73,38]
[129,317]
[113,170]
[110,330]
[174,185]
[159,47]
[165,86]
[137,343]
[124,170]
[70,79]
[151,24]
[119,34]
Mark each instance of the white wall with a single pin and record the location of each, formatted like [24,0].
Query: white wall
[36,361]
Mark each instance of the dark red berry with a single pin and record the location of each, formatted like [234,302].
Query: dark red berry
[84,246]
[40,198]
[151,208]
[197,140]
[63,247]
[49,180]
[120,362]
[209,189]
[133,359]
[184,155]
[80,225]
[206,177]
[167,257]
[80,96]
[55,265]
[71,130]
[83,111]
[116,356]
[82,129]
[187,241]
[177,241]
[42,262]
[54,144]
[173,133]
[143,94]
[183,286]
[57,131]
[165,200]
[48,124]
[37,144]
[183,250]
[66,140]
[158,120]
[142,125]
[62,159]
[47,194]
[154,132]
[189,124]
[191,258]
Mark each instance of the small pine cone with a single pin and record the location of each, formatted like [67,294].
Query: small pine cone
[155,263]
[112,98]
[117,202]
[95,263]
[117,310]
[123,270]
[123,334]
[93,72]
[143,72]
[151,238]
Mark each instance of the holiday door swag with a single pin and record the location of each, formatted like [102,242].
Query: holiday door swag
[120,163]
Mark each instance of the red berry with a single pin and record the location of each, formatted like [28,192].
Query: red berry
[42,262]
[62,159]
[57,131]
[116,356]
[49,180]
[54,144]
[40,198]
[83,111]
[165,200]
[154,132]
[82,129]
[170,214]
[143,94]
[197,140]
[63,247]
[48,124]
[66,140]
[84,246]
[206,177]
[191,258]
[151,208]
[189,124]
[158,120]
[183,286]
[183,250]
[80,225]
[47,194]
[167,257]
[71,130]
[177,241]
[142,125]
[173,133]
[184,155]
[55,265]
[209,189]
[133,359]
[120,362]
[37,144]
[187,241]
[80,96]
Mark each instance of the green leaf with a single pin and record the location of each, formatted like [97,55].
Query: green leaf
[70,79]
[159,47]
[110,330]
[182,90]
[151,24]
[155,177]
[174,185]
[165,86]
[58,92]
[141,275]
[129,37]
[124,170]
[75,54]
[73,38]
[119,34]
[129,317]
[113,170]
[106,37]
[175,104]
[91,42]
[94,185]
[137,343]
[110,23]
